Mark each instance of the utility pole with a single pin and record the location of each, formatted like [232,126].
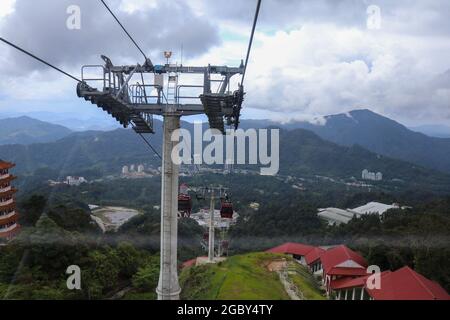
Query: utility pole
[211,228]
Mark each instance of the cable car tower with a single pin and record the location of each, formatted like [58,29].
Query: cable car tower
[134,103]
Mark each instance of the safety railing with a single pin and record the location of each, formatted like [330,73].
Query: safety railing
[105,79]
[189,97]
[142,94]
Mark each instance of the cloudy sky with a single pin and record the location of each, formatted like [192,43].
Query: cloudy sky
[310,57]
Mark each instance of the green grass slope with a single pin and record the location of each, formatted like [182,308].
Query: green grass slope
[238,278]
[243,277]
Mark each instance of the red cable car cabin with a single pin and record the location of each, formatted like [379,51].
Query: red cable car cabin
[184,205]
[226,210]
[225,244]
[184,202]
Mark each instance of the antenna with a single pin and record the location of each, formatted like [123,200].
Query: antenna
[181,54]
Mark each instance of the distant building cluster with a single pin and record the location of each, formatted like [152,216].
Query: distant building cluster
[338,216]
[137,171]
[70,181]
[75,181]
[367,175]
[132,169]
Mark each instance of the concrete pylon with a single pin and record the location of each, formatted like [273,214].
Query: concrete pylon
[168,286]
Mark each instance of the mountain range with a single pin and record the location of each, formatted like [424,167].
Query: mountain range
[383,136]
[363,128]
[437,131]
[26,130]
[303,153]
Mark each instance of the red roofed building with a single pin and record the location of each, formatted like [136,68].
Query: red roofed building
[406,284]
[403,284]
[312,259]
[353,288]
[344,274]
[297,250]
[340,262]
[8,214]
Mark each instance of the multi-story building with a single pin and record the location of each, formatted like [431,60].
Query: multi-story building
[9,226]
[75,181]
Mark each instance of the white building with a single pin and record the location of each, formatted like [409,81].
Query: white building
[75,181]
[367,175]
[125,170]
[335,215]
[338,216]
[373,208]
[254,206]
[140,168]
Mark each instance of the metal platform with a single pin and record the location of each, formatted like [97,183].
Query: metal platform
[135,104]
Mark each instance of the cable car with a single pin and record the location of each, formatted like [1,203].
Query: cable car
[184,202]
[226,209]
[225,244]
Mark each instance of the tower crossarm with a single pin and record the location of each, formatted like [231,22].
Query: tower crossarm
[135,102]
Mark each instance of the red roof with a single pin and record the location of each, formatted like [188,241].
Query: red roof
[8,193]
[10,233]
[292,248]
[190,263]
[406,284]
[342,260]
[347,271]
[7,206]
[6,165]
[313,255]
[9,178]
[13,218]
[359,282]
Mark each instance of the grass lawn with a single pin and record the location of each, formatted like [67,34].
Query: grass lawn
[239,277]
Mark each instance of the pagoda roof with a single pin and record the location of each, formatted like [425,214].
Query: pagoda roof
[9,192]
[12,218]
[9,178]
[8,206]
[6,165]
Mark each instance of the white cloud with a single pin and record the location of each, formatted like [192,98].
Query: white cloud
[6,7]
[322,69]
[310,57]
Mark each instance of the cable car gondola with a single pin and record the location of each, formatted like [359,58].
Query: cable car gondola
[226,209]
[184,202]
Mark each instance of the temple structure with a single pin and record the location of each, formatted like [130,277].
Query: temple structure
[9,226]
